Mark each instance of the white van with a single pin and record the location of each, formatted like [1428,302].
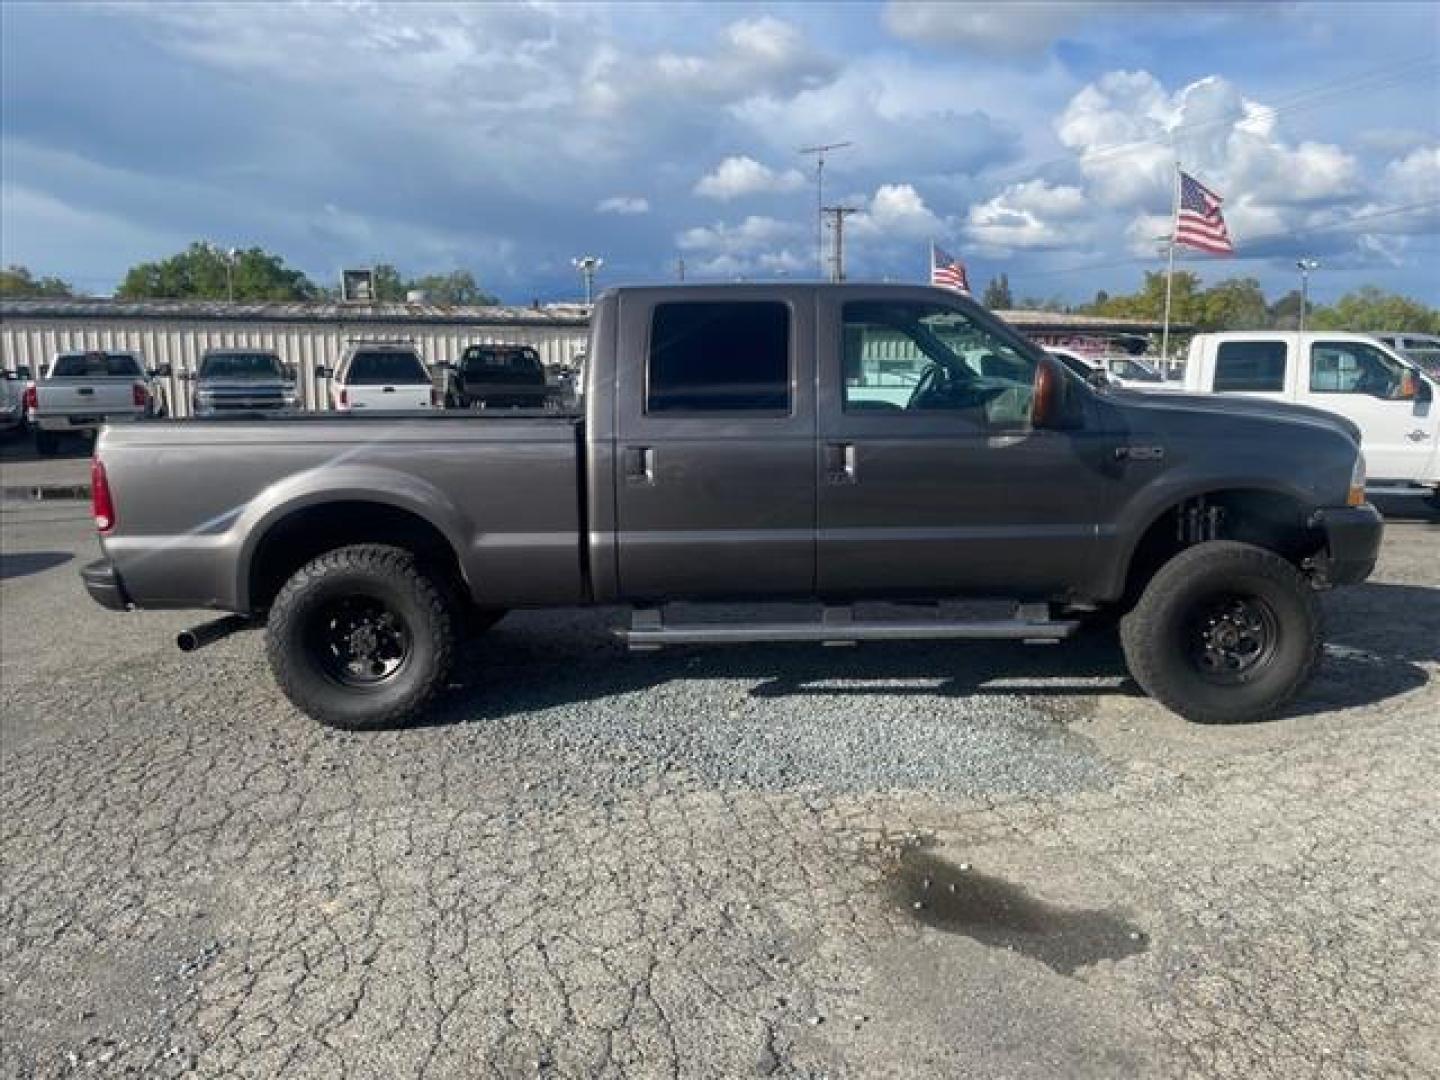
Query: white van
[1391,400]
[382,376]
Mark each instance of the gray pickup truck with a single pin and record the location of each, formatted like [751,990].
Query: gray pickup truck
[826,443]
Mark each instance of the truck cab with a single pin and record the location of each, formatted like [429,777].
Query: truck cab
[1388,397]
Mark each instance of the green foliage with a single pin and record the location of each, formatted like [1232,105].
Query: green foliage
[1369,308]
[456,287]
[997,294]
[17,283]
[204,272]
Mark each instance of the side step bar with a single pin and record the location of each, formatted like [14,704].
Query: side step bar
[649,630]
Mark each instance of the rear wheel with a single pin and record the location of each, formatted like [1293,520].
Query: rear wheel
[47,443]
[361,637]
[1224,633]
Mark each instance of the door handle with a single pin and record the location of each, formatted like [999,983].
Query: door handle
[387,390]
[640,464]
[840,463]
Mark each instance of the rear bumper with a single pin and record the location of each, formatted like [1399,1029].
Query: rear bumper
[79,422]
[1352,542]
[102,582]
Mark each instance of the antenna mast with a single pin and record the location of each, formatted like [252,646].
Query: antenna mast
[820,152]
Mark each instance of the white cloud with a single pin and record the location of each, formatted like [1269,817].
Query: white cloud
[754,234]
[623,204]
[1031,215]
[738,176]
[1015,27]
[896,212]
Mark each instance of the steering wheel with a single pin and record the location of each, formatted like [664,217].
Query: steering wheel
[924,386]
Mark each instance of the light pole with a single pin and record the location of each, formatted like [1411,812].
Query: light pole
[1305,266]
[588,265]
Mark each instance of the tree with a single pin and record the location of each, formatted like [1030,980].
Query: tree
[1369,308]
[204,272]
[1234,304]
[17,283]
[1285,312]
[997,294]
[456,287]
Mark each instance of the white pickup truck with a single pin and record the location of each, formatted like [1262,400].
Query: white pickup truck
[1391,400]
[81,391]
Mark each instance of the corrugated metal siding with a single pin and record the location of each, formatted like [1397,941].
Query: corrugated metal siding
[33,341]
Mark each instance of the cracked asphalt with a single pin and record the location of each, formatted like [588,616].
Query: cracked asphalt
[909,861]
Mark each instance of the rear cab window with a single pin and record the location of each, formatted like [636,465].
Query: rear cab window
[480,360]
[1255,366]
[719,357]
[96,365]
[386,367]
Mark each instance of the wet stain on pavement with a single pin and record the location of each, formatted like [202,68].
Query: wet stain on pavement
[996,913]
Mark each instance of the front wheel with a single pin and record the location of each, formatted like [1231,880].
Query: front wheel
[1224,633]
[361,637]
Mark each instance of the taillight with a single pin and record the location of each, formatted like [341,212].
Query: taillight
[344,398]
[437,399]
[139,395]
[32,398]
[101,504]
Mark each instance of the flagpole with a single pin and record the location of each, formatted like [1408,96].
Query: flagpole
[930,266]
[1170,270]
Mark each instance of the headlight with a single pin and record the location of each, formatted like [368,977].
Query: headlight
[1356,497]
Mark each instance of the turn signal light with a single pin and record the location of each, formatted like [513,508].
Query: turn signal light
[1356,495]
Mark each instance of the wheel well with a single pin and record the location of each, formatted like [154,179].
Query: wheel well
[299,537]
[1267,519]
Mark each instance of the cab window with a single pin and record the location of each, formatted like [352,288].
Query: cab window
[1353,367]
[914,357]
[1254,366]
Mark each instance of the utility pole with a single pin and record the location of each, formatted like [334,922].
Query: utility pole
[680,268]
[838,214]
[1305,266]
[820,152]
[588,265]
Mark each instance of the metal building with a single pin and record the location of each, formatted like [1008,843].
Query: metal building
[309,335]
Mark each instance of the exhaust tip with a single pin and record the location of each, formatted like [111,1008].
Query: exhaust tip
[187,641]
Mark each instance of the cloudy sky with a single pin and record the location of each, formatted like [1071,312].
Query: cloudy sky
[1035,139]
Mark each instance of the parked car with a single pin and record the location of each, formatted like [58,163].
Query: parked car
[80,391]
[747,442]
[500,376]
[234,381]
[12,401]
[1119,369]
[1390,400]
[380,376]
[1423,349]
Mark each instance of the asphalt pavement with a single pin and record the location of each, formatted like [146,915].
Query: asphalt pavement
[981,860]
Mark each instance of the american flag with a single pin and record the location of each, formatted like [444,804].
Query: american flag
[947,271]
[1199,223]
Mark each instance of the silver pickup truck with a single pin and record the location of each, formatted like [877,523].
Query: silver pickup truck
[829,443]
[80,391]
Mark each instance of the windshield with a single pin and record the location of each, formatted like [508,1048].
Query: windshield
[96,365]
[1127,367]
[390,367]
[256,365]
[1427,358]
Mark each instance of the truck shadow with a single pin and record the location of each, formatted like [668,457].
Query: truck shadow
[1380,635]
[14,564]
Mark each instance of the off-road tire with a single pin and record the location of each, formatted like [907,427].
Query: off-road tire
[378,572]
[1159,634]
[47,443]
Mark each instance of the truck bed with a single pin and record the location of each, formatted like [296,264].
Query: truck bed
[194,498]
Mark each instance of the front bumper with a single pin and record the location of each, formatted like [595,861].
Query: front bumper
[1352,542]
[102,582]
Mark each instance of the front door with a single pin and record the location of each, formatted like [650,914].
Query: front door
[1391,405]
[714,463]
[931,479]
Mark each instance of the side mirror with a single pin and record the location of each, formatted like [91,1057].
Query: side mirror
[1050,401]
[161,371]
[323,372]
[186,376]
[11,376]
[291,373]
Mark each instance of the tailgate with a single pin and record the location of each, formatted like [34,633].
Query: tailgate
[86,397]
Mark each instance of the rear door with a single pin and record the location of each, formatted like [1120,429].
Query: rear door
[931,478]
[715,476]
[1391,404]
[392,379]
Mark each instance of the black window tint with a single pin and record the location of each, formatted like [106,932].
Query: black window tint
[95,365]
[1250,365]
[386,368]
[725,357]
